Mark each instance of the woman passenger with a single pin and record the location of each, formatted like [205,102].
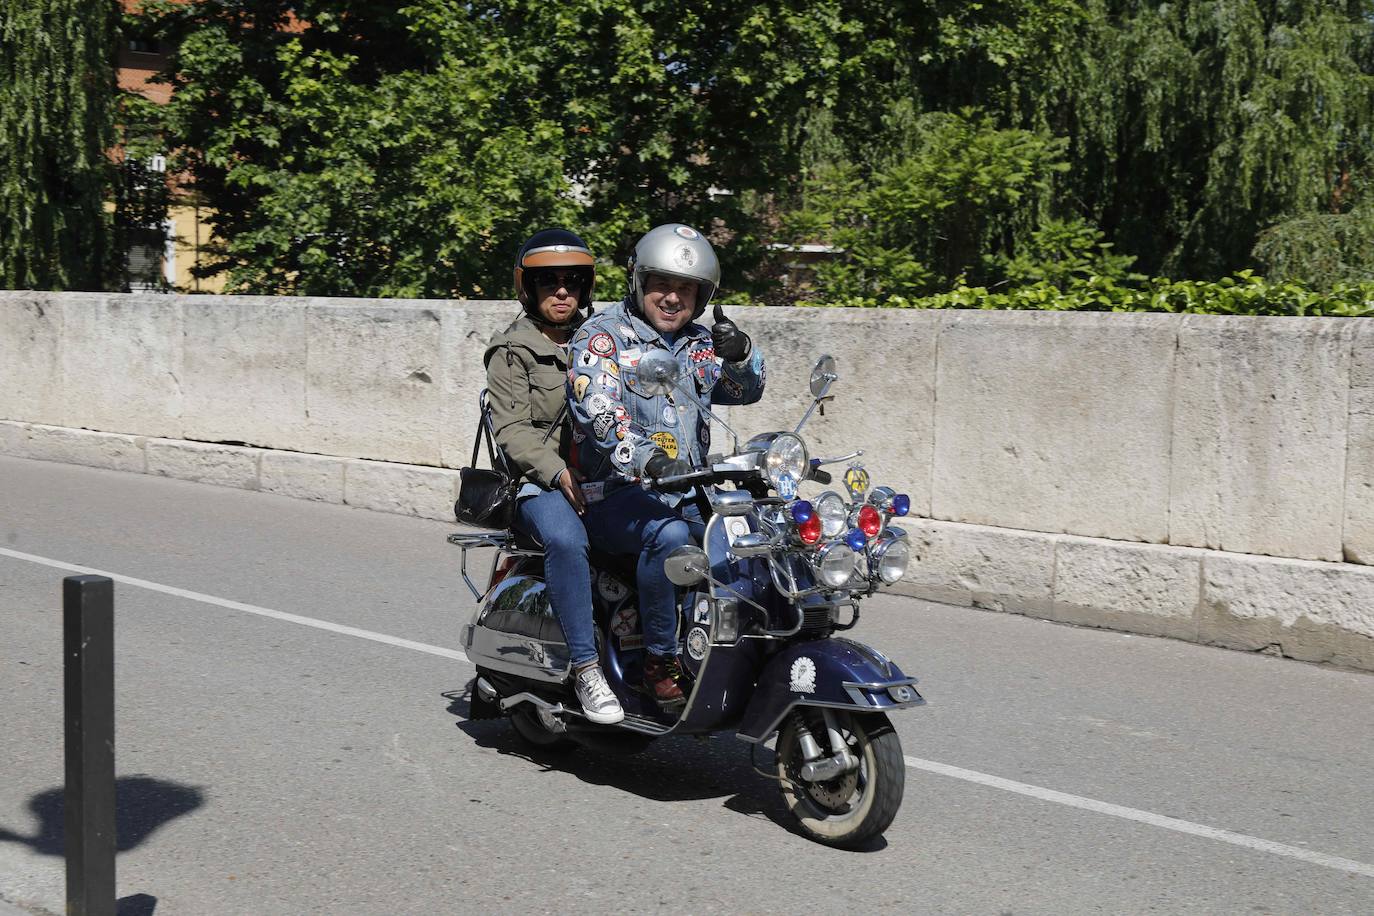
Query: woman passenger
[527,371]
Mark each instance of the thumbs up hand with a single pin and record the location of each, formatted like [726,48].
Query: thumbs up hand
[732,344]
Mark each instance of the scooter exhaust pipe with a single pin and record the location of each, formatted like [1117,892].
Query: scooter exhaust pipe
[485,690]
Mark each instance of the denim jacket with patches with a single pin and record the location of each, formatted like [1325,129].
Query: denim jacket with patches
[616,428]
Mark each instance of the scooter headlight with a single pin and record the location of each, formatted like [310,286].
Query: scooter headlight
[833,512]
[834,564]
[785,463]
[892,556]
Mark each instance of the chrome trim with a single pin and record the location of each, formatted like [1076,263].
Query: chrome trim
[881,685]
[645,726]
[479,540]
[553,709]
[753,544]
[731,503]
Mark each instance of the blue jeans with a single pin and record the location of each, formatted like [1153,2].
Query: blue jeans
[631,521]
[567,575]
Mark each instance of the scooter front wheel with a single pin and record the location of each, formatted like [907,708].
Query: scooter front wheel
[855,806]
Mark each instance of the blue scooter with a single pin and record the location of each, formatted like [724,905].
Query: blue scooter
[774,580]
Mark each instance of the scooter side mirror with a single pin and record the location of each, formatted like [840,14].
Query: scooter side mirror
[657,373]
[822,375]
[686,566]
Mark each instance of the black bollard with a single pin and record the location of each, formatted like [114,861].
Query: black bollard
[88,649]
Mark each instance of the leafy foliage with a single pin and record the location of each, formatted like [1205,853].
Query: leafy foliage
[1241,294]
[354,147]
[56,124]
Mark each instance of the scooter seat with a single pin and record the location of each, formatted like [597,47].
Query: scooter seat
[621,565]
[523,540]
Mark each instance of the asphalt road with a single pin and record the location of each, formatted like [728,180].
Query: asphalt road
[268,765]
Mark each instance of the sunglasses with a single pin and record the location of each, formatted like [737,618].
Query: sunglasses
[554,279]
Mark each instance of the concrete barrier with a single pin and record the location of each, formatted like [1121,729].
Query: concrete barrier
[1207,478]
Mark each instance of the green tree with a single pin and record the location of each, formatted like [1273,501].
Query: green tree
[1194,125]
[57,96]
[963,192]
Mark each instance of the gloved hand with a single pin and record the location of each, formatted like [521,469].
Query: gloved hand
[660,465]
[732,344]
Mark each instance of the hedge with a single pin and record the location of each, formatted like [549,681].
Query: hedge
[1242,294]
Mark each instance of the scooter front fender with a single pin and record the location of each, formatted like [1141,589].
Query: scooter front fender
[836,673]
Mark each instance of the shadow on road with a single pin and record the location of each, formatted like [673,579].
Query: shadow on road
[142,805]
[671,769]
[136,905]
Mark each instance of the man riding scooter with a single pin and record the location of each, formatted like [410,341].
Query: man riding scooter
[625,434]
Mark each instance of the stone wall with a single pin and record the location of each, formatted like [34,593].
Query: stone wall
[1209,478]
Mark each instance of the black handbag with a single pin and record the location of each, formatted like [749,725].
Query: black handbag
[486,497]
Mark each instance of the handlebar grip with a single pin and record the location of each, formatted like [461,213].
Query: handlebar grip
[821,477]
[679,481]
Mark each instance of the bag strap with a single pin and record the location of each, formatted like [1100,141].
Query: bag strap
[557,420]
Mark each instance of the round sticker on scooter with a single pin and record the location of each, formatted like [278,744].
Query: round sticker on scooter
[624,621]
[697,641]
[612,589]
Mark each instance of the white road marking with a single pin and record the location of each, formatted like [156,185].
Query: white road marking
[240,606]
[943,769]
[1144,817]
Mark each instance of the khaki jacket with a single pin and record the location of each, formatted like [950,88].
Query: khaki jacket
[526,378]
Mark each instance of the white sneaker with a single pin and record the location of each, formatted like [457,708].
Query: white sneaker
[598,703]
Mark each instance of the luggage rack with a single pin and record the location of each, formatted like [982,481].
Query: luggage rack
[503,542]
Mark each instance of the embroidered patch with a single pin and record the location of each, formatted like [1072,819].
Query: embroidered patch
[803,675]
[587,359]
[602,345]
[702,354]
[667,442]
[670,415]
[610,383]
[623,453]
[621,414]
[597,404]
[581,335]
[630,358]
[708,374]
[580,386]
[628,333]
[621,430]
[608,365]
[602,425]
[697,641]
[732,388]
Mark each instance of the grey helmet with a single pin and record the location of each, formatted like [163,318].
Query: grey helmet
[674,250]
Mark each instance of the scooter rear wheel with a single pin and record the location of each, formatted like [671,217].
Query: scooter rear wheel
[853,807]
[538,732]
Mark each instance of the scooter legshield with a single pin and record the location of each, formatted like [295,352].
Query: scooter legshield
[831,672]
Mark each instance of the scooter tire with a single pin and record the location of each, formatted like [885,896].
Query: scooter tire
[878,784]
[532,730]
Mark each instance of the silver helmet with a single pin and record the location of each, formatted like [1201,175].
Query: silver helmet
[675,250]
